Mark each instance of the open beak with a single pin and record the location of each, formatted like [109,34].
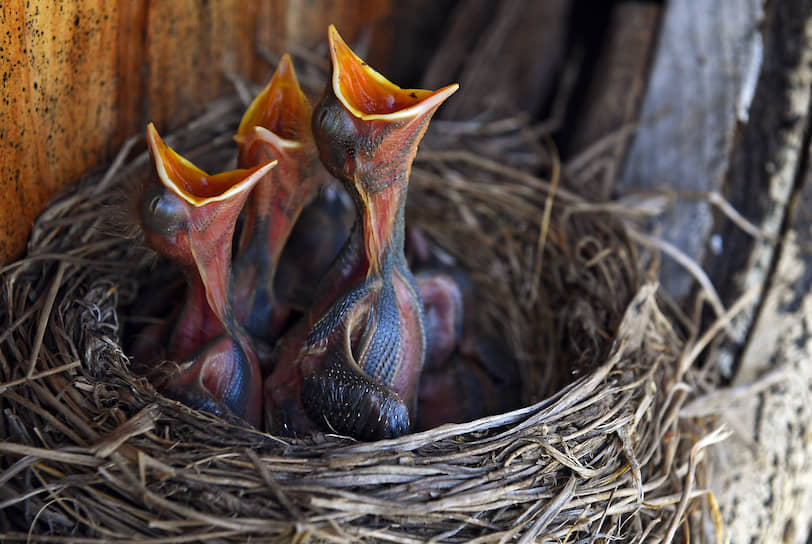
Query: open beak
[281,107]
[367,130]
[211,205]
[370,96]
[277,126]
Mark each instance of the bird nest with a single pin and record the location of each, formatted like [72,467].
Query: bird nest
[598,452]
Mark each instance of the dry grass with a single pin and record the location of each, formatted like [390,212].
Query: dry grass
[92,453]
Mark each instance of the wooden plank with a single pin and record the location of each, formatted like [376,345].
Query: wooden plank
[766,162]
[700,87]
[504,55]
[187,64]
[58,104]
[762,477]
[728,111]
[614,94]
[78,78]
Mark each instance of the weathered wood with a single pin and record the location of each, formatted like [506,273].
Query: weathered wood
[757,121]
[763,475]
[728,110]
[766,161]
[57,114]
[80,77]
[700,87]
[504,55]
[614,94]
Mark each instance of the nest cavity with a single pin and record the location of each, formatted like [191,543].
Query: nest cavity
[598,453]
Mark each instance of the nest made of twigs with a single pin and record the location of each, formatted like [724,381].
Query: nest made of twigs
[92,452]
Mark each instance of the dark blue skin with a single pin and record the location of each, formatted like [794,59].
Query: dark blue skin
[263,305]
[235,397]
[316,240]
[353,404]
[355,401]
[326,388]
[385,336]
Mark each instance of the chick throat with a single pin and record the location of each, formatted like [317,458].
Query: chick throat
[382,223]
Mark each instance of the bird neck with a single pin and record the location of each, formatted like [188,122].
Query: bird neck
[382,223]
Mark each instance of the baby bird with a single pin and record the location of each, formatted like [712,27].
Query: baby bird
[354,366]
[468,374]
[276,126]
[189,217]
[314,243]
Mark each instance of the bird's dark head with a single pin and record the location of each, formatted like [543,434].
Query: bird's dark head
[365,125]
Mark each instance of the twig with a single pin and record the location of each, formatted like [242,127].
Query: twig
[44,317]
[553,507]
[545,220]
[39,375]
[50,455]
[274,486]
[723,321]
[691,266]
[718,435]
[718,401]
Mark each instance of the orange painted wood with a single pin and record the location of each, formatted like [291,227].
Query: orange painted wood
[78,78]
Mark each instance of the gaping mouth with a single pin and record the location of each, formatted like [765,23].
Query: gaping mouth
[281,107]
[269,138]
[193,184]
[368,95]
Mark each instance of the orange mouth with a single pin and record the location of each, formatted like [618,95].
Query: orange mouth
[281,107]
[368,95]
[211,207]
[193,184]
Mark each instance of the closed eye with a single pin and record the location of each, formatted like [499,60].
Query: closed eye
[153,205]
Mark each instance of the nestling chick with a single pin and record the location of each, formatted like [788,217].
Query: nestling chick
[276,126]
[189,217]
[355,365]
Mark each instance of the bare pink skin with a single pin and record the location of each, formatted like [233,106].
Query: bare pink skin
[442,303]
[189,217]
[468,374]
[275,127]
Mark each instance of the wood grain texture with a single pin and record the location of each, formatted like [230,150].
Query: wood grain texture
[78,78]
[753,147]
[763,475]
[612,98]
[767,160]
[504,55]
[58,84]
[696,94]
